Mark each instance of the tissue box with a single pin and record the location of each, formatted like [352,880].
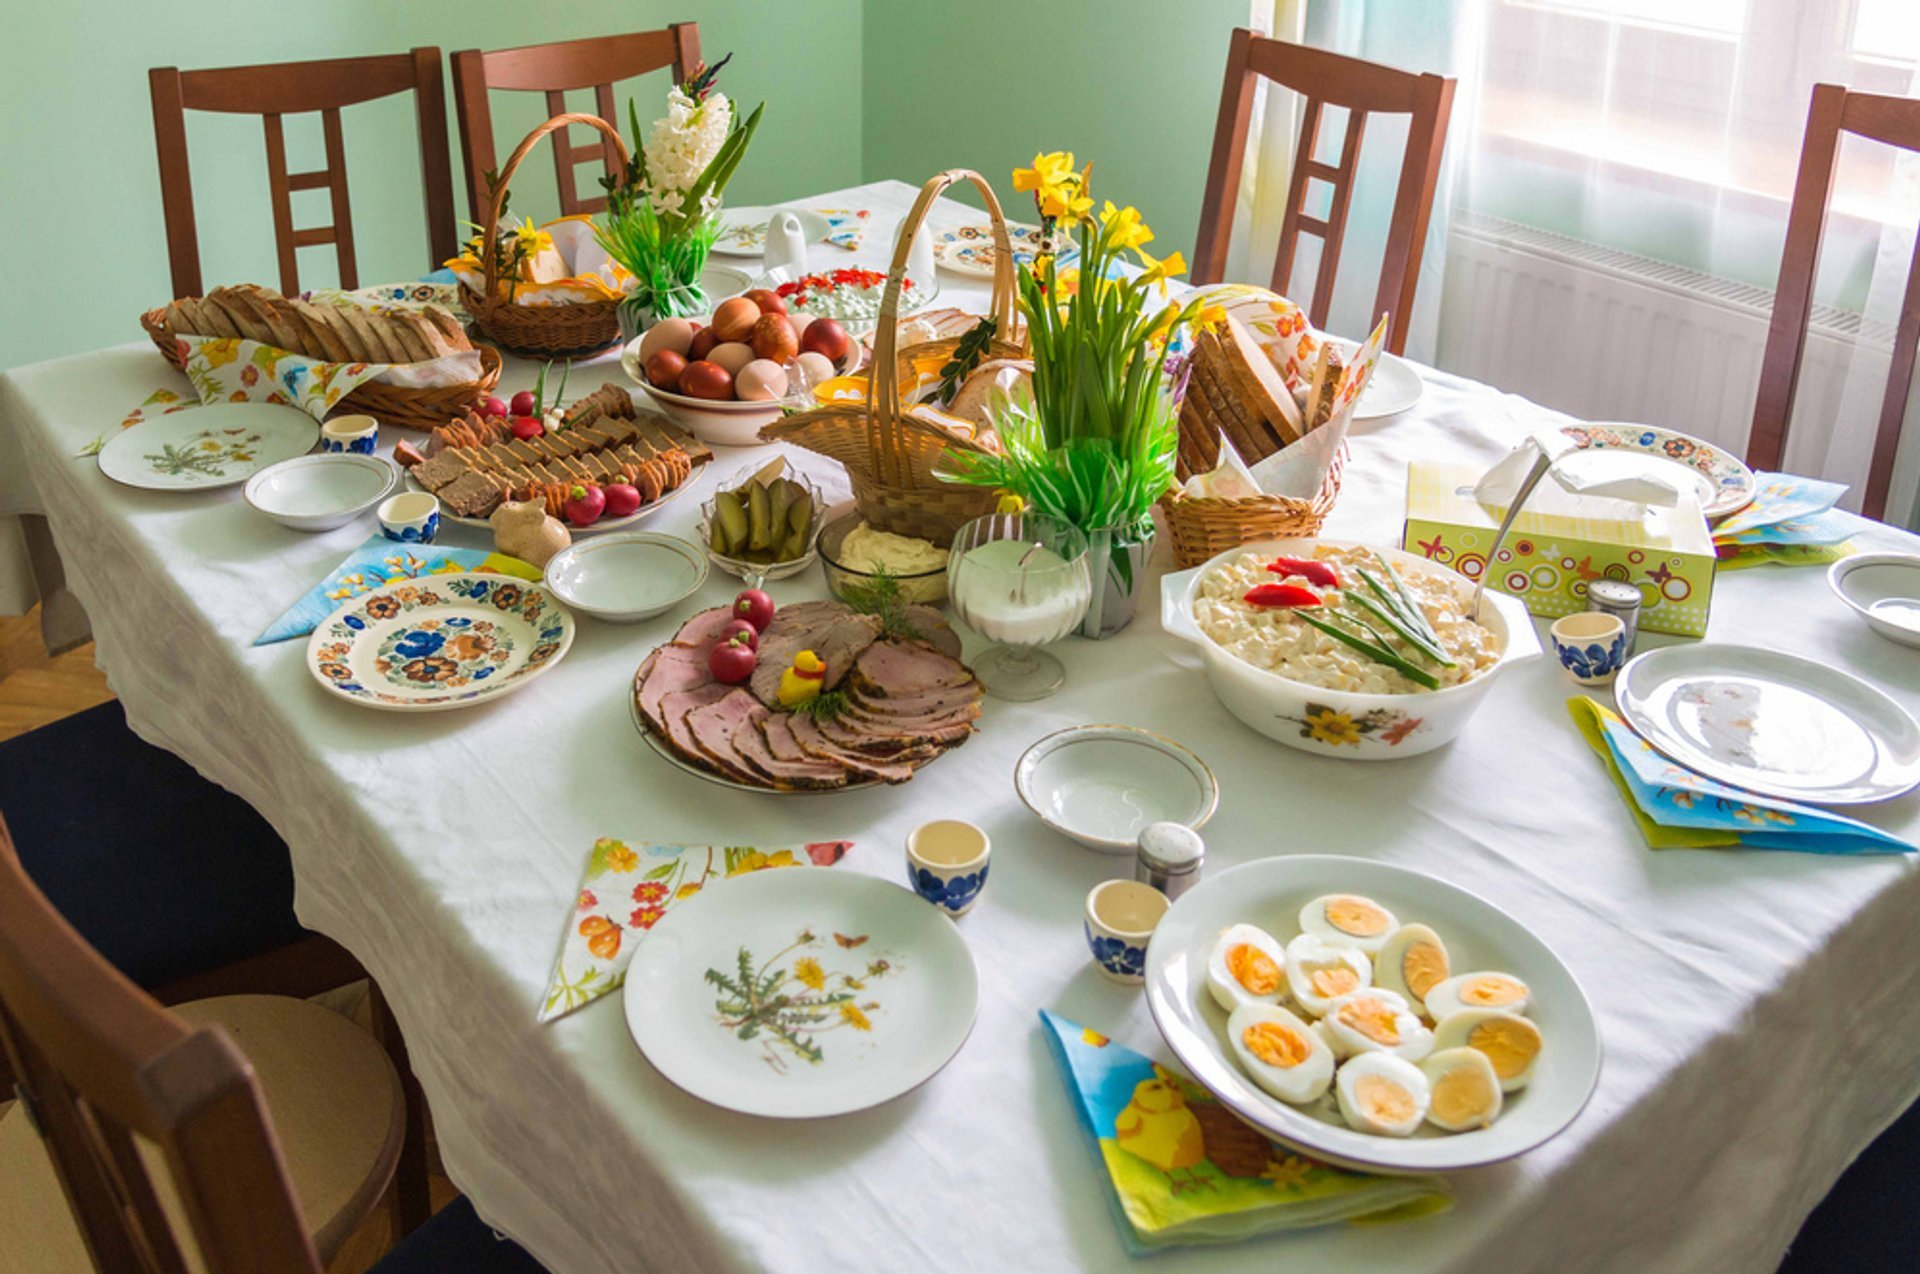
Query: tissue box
[1561,541]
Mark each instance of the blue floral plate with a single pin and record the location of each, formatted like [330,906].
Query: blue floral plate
[441,642]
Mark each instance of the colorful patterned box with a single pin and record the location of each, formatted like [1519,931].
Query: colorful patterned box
[1556,547]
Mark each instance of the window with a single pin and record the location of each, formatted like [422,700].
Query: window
[1886,29]
[1721,17]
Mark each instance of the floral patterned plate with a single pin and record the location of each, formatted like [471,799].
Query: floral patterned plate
[1723,484]
[447,641]
[969,249]
[802,993]
[203,448]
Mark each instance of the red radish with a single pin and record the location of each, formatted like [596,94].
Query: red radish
[742,629]
[492,408]
[622,498]
[732,661]
[522,404]
[525,427]
[585,505]
[755,607]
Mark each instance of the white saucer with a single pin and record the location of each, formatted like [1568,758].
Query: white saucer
[1102,785]
[627,577]
[1884,590]
[321,492]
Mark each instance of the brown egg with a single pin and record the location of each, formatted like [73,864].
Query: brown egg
[732,355]
[734,320]
[702,344]
[670,334]
[664,368]
[768,300]
[761,381]
[824,336]
[773,338]
[706,380]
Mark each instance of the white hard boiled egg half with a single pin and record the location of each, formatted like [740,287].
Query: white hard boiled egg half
[1411,963]
[1247,965]
[1377,1021]
[1348,920]
[1280,1052]
[1382,1094]
[1477,991]
[1318,974]
[1510,1042]
[1466,1092]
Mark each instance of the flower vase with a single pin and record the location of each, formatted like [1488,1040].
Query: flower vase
[1117,587]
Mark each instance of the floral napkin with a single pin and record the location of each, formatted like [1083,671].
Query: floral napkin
[628,888]
[381,561]
[1791,522]
[846,227]
[1678,809]
[228,369]
[1181,1168]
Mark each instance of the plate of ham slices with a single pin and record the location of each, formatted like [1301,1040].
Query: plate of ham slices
[894,696]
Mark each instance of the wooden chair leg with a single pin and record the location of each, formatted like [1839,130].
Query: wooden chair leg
[410,1203]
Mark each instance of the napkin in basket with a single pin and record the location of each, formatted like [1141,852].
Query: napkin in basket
[229,369]
[381,561]
[1182,1169]
[628,888]
[1678,809]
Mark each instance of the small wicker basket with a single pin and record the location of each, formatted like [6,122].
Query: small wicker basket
[890,454]
[540,331]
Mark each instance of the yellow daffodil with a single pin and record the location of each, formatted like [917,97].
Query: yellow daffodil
[1125,226]
[1047,170]
[1170,267]
[1065,203]
[1058,191]
[534,238]
[1209,317]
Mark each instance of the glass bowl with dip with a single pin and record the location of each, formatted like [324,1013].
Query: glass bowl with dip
[853,552]
[1020,580]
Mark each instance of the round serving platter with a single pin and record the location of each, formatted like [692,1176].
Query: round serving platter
[1723,484]
[604,524]
[678,762]
[204,448]
[440,642]
[1270,893]
[1771,723]
[800,992]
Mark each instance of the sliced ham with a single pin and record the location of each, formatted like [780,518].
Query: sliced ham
[930,703]
[703,630]
[675,708]
[893,669]
[712,727]
[751,741]
[934,630]
[669,670]
[834,632]
[807,732]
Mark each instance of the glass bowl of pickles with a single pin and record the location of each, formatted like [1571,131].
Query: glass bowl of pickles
[765,525]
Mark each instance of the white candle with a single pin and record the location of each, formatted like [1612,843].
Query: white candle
[1019,593]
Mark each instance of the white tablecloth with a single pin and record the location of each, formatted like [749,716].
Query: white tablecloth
[1760,1011]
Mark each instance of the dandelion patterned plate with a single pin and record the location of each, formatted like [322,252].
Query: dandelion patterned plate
[440,642]
[969,249]
[802,993]
[1723,484]
[207,447]
[1771,723]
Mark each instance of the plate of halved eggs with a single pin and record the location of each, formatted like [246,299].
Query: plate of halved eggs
[1370,1015]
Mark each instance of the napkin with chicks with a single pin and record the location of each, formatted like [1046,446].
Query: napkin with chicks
[1791,522]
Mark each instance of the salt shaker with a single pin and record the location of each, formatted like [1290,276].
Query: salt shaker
[1619,599]
[1169,858]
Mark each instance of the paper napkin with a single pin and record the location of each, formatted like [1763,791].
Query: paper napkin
[161,402]
[381,561]
[1678,809]
[1300,468]
[227,369]
[1732,557]
[629,887]
[1182,1169]
[846,227]
[1778,498]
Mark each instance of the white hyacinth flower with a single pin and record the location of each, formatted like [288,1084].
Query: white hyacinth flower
[680,146]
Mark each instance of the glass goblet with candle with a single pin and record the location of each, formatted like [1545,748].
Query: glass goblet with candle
[1020,580]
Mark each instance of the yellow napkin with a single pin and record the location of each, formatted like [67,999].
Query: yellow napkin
[1587,715]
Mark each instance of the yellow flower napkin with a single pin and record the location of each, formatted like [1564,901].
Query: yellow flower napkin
[227,369]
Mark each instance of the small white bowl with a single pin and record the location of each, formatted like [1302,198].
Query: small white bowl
[1883,589]
[323,491]
[627,577]
[1102,785]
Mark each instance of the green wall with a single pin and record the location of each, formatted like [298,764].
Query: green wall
[80,192]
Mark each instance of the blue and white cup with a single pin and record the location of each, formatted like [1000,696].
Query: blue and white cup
[358,434]
[1121,917]
[1591,645]
[412,517]
[947,864]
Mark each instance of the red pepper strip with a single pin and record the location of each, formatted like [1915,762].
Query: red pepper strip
[1306,568]
[1281,595]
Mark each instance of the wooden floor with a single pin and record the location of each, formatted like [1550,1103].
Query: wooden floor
[36,689]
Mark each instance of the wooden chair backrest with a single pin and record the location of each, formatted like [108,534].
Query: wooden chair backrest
[98,1064]
[1362,88]
[292,88]
[553,69]
[1896,122]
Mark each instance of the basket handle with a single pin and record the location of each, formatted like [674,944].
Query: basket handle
[491,231]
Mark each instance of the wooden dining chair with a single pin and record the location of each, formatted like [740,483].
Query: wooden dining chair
[1896,122]
[1326,79]
[292,88]
[553,69]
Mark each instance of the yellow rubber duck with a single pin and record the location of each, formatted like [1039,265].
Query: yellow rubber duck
[803,681]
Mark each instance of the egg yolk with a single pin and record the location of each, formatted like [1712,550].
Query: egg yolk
[1490,992]
[1373,1019]
[1276,1044]
[1334,979]
[1423,967]
[1461,1095]
[1253,969]
[1356,916]
[1510,1046]
[1383,1100]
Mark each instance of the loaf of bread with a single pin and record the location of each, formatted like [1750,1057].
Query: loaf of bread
[334,333]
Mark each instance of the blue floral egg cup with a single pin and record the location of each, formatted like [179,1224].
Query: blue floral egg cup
[1121,916]
[947,864]
[412,517]
[1591,645]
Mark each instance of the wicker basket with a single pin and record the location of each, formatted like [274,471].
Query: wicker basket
[889,454]
[403,406]
[540,331]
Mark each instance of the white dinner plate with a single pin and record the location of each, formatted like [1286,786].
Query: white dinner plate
[1479,936]
[1393,387]
[743,231]
[1771,723]
[1722,483]
[439,642]
[207,447]
[627,577]
[800,992]
[1102,785]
